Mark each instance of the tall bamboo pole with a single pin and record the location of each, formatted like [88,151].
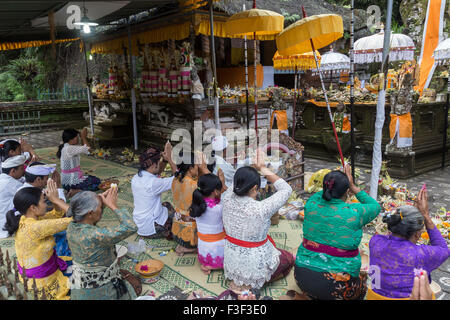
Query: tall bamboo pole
[295,98]
[326,96]
[133,92]
[444,146]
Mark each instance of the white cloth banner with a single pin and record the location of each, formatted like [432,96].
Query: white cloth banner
[376,155]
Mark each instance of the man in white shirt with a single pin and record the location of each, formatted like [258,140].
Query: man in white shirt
[12,171]
[150,215]
[220,143]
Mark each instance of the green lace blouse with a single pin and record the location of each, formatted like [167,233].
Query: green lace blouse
[337,224]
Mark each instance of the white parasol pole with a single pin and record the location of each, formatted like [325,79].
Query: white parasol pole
[213,62]
[295,98]
[256,84]
[88,88]
[352,92]
[379,122]
[246,88]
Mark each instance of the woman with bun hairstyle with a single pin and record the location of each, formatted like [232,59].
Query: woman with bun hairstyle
[33,229]
[184,227]
[207,211]
[397,258]
[251,257]
[328,263]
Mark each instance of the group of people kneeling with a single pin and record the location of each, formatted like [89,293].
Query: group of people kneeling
[224,222]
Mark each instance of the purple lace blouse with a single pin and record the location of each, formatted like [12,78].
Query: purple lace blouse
[396,258]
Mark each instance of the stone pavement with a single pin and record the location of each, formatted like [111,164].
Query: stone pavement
[43,139]
[438,185]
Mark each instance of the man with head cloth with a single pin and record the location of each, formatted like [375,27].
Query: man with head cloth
[152,217]
[12,171]
[36,175]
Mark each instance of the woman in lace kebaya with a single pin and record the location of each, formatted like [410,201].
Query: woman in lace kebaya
[250,256]
[72,177]
[207,211]
[328,262]
[398,258]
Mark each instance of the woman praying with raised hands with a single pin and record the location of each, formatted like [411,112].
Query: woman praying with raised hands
[251,257]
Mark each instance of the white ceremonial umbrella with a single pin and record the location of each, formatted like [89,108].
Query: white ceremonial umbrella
[370,49]
[442,56]
[334,61]
[442,52]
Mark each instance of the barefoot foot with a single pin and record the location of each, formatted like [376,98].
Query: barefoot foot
[206,270]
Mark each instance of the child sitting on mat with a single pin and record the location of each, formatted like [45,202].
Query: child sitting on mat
[207,211]
[69,152]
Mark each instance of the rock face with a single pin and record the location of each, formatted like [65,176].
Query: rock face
[413,14]
[292,10]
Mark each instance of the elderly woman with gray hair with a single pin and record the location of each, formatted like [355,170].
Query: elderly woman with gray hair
[395,259]
[96,274]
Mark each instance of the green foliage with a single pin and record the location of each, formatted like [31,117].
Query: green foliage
[396,27]
[9,88]
[24,72]
[291,19]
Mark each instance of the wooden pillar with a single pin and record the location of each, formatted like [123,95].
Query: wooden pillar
[51,22]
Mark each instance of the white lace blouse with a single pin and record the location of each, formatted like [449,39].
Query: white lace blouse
[249,220]
[70,159]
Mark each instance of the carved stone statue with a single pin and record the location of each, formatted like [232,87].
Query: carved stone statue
[402,102]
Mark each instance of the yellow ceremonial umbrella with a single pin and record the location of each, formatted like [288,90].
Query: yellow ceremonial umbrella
[318,31]
[257,24]
[304,61]
[309,34]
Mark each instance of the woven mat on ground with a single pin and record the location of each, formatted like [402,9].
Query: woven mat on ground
[179,272]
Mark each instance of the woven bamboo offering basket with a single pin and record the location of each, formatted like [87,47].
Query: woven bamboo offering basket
[149,268]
